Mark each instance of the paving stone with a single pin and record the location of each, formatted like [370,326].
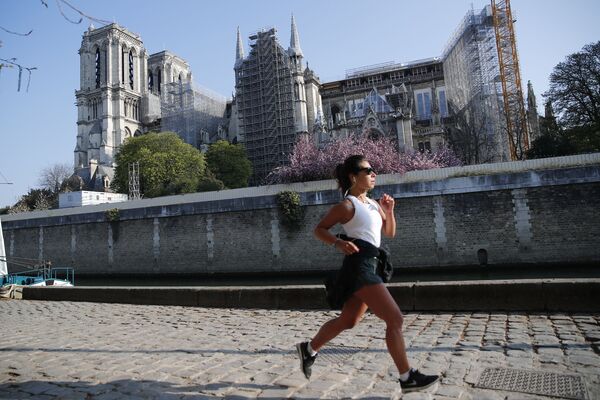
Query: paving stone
[179,352]
[417,396]
[483,394]
[452,391]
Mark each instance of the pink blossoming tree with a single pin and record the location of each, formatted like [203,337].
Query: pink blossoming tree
[309,163]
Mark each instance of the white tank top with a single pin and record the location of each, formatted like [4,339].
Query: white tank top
[366,223]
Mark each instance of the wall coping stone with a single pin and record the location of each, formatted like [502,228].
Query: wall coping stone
[565,170]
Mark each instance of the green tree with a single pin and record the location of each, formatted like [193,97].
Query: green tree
[575,88]
[574,95]
[552,141]
[555,140]
[229,163]
[167,165]
[210,183]
[35,199]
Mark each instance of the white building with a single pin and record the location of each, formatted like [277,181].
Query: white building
[86,198]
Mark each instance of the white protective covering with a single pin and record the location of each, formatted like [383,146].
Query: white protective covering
[3,268]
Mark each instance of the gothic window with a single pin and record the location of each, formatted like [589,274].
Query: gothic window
[397,75]
[374,79]
[335,113]
[179,78]
[105,58]
[419,71]
[443,105]
[150,82]
[423,102]
[352,83]
[127,133]
[123,66]
[95,106]
[131,69]
[125,107]
[159,80]
[296,91]
[425,147]
[98,68]
[135,111]
[137,133]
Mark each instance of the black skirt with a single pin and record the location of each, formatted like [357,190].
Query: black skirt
[358,270]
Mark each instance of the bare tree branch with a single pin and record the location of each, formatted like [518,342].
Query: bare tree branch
[78,11]
[53,176]
[575,88]
[16,33]
[65,15]
[11,63]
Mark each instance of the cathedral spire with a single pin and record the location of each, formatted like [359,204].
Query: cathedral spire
[294,49]
[239,49]
[531,102]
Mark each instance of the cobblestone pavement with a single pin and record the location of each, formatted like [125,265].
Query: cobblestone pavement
[70,350]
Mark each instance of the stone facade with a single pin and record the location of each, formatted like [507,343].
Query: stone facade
[517,217]
[406,102]
[123,93]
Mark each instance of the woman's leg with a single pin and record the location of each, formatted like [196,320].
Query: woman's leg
[352,313]
[382,304]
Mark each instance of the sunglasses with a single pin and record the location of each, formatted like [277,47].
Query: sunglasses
[368,170]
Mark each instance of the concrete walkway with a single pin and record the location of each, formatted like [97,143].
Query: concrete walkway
[81,350]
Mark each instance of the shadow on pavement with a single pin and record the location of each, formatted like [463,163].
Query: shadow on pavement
[331,349]
[140,389]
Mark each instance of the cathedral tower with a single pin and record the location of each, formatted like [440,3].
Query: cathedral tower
[272,89]
[121,88]
[533,120]
[296,56]
[112,82]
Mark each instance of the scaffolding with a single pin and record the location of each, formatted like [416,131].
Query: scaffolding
[134,181]
[196,114]
[264,97]
[472,78]
[510,76]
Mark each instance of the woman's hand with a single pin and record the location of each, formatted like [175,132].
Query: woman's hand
[386,202]
[346,247]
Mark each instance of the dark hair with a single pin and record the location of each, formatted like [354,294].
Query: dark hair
[350,166]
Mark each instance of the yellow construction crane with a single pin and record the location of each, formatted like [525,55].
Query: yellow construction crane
[510,76]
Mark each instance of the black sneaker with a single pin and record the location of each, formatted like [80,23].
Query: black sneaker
[306,360]
[417,381]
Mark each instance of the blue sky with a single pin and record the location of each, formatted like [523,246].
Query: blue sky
[38,128]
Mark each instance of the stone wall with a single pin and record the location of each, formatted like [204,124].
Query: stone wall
[517,215]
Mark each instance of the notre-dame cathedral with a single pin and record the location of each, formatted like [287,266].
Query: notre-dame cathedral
[125,91]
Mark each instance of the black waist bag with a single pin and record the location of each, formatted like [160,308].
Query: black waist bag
[336,292]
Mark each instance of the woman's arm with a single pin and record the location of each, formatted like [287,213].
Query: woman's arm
[386,205]
[338,214]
